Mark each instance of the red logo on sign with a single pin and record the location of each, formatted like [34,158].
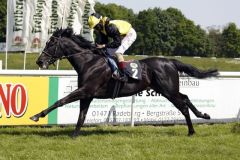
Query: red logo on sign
[14,99]
[18,40]
[36,43]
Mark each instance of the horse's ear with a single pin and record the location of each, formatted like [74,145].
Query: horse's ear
[56,32]
[68,32]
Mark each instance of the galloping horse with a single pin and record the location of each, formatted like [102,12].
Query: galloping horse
[94,76]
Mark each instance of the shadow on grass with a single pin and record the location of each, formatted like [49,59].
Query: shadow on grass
[236,128]
[58,131]
[55,132]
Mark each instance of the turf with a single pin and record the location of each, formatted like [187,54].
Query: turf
[213,142]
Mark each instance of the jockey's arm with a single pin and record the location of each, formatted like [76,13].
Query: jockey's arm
[113,32]
[100,38]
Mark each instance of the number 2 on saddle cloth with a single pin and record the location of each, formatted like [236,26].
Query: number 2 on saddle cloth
[133,67]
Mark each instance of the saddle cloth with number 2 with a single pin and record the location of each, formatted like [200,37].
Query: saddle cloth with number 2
[134,69]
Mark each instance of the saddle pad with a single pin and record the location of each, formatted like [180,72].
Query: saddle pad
[134,69]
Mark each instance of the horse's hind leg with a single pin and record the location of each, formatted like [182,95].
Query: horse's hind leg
[178,101]
[169,88]
[193,108]
[84,105]
[181,105]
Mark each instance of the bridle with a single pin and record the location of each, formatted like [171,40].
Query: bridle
[53,57]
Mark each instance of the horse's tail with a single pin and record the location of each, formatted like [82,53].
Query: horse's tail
[193,71]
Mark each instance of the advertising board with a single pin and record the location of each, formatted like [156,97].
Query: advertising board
[24,96]
[21,97]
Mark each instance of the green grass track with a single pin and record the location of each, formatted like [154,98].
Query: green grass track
[212,142]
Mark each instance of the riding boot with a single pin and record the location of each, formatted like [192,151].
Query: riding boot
[123,72]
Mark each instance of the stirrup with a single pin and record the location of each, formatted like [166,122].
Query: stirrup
[123,78]
[116,75]
[119,76]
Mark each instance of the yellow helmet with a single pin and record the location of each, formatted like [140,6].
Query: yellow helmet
[93,20]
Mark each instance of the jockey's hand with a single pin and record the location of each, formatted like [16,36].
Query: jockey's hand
[101,46]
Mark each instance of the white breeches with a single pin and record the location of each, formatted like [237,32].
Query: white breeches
[127,41]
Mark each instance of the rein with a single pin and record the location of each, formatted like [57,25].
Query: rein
[72,55]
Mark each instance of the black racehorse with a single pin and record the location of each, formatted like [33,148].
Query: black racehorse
[94,76]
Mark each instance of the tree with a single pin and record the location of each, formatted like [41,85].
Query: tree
[191,40]
[3,20]
[155,32]
[215,39]
[168,32]
[231,41]
[115,11]
[146,27]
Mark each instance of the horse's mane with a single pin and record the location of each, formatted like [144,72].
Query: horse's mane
[78,39]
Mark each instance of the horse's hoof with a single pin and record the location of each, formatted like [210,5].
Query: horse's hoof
[75,135]
[191,133]
[206,116]
[34,118]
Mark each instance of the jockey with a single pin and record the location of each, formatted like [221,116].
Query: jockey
[122,34]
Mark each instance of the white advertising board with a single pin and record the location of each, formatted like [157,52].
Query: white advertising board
[217,97]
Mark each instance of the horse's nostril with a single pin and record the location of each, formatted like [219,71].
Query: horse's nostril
[39,62]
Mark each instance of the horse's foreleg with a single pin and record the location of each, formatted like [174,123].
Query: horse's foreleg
[84,105]
[73,96]
[46,111]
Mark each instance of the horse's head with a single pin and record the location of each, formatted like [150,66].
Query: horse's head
[53,50]
[64,44]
